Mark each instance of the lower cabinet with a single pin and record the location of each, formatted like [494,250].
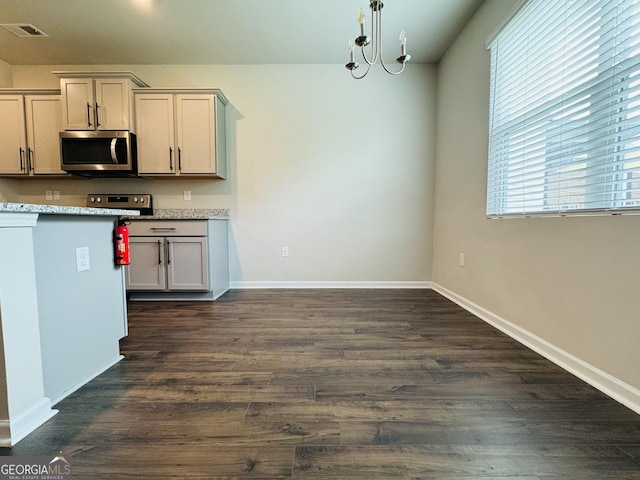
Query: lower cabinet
[186,258]
[168,263]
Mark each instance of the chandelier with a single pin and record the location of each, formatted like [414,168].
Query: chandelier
[364,40]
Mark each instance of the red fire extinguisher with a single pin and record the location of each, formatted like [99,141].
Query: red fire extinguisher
[123,253]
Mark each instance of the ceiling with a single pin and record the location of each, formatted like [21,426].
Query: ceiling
[191,32]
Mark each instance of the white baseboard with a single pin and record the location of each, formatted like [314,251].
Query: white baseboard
[284,285]
[14,430]
[606,383]
[85,380]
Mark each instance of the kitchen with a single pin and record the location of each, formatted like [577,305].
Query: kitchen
[80,307]
[364,189]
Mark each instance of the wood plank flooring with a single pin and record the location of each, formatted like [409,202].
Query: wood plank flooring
[334,384]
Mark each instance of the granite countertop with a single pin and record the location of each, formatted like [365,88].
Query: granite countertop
[188,214]
[63,210]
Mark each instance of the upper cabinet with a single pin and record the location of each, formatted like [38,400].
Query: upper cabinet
[44,122]
[13,139]
[29,126]
[181,132]
[98,100]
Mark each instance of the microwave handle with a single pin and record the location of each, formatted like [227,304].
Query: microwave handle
[114,158]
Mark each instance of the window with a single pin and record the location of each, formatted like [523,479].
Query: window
[564,126]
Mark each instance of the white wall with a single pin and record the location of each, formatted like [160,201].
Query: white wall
[338,170]
[573,282]
[9,190]
[6,77]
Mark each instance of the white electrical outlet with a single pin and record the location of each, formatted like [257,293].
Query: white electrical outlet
[82,259]
[56,194]
[187,194]
[48,195]
[461,260]
[285,251]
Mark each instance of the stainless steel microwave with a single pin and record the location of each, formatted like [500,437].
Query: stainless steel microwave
[99,153]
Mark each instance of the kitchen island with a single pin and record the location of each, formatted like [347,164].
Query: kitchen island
[62,308]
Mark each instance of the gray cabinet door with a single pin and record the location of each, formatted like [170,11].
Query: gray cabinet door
[147,269]
[187,263]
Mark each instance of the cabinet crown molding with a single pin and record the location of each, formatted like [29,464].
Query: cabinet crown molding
[101,74]
[211,91]
[29,91]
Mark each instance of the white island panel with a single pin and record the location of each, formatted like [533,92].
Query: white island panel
[23,405]
[82,313]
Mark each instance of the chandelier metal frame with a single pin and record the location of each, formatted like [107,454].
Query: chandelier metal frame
[363,40]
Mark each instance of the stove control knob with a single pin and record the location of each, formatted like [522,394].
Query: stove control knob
[92,200]
[141,199]
[99,199]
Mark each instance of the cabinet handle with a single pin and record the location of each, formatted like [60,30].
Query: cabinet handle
[159,252]
[97,115]
[21,159]
[30,159]
[162,229]
[179,159]
[88,114]
[168,252]
[170,158]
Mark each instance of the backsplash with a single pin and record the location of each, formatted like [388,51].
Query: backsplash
[167,193]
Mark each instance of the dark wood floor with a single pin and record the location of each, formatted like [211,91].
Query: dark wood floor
[334,384]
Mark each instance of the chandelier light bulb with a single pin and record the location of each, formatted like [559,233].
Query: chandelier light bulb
[403,48]
[352,65]
[361,23]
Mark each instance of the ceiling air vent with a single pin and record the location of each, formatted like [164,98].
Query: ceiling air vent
[24,30]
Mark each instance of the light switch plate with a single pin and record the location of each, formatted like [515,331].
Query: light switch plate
[82,259]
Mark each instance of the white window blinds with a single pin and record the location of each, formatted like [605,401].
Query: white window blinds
[564,131]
